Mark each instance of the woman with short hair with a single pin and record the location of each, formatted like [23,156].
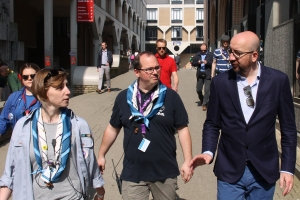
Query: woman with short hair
[51,153]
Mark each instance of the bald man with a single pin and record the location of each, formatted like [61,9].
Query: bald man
[244,103]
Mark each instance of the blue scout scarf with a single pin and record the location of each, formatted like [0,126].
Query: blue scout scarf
[65,142]
[159,93]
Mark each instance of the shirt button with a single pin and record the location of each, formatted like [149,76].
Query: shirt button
[246,147]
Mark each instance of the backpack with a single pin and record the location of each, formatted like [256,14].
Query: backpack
[132,57]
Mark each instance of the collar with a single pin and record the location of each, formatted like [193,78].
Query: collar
[158,56]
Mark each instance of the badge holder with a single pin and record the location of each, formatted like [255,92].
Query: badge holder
[47,176]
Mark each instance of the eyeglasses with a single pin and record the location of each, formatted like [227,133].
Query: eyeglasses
[53,72]
[248,93]
[150,70]
[159,48]
[238,54]
[25,77]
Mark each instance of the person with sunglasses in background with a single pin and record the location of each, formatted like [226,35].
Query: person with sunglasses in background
[22,102]
[168,65]
[149,113]
[203,61]
[51,153]
[240,125]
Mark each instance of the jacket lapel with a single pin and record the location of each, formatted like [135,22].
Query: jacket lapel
[263,88]
[234,94]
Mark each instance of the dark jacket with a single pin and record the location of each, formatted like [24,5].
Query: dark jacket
[109,58]
[255,140]
[209,60]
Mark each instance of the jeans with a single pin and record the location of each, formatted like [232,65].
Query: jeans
[251,186]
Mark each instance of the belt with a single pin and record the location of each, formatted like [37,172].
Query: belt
[103,64]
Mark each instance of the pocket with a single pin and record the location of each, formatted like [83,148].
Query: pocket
[87,144]
[19,152]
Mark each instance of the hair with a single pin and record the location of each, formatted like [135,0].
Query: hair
[104,43]
[40,87]
[204,44]
[29,66]
[161,40]
[137,63]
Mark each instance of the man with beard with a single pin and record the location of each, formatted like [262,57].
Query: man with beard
[221,62]
[203,60]
[150,113]
[168,65]
[244,104]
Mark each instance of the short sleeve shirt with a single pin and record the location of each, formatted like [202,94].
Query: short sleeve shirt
[158,162]
[222,58]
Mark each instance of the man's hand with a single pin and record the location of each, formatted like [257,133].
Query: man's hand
[101,162]
[286,182]
[297,76]
[98,69]
[175,88]
[186,172]
[199,160]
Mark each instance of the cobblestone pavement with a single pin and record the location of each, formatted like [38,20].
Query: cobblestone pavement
[96,109]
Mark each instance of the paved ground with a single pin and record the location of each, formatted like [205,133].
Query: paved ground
[96,109]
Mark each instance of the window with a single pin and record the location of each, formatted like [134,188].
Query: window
[189,2]
[176,33]
[199,1]
[152,15]
[176,1]
[199,34]
[199,15]
[176,15]
[151,33]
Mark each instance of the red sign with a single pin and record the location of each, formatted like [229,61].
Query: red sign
[47,61]
[73,60]
[85,10]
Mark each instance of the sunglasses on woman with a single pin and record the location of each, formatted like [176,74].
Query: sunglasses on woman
[52,73]
[25,77]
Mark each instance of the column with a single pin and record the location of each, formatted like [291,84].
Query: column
[73,36]
[48,33]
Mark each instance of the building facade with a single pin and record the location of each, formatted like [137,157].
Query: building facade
[181,22]
[47,32]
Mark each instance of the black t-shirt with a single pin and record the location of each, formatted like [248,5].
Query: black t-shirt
[158,162]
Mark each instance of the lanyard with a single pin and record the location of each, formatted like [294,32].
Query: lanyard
[143,106]
[31,104]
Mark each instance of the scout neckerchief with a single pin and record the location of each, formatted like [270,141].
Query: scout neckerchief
[151,109]
[63,141]
[27,109]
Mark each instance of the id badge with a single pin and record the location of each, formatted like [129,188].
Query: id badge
[144,145]
[48,174]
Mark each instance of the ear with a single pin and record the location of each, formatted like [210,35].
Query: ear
[136,72]
[255,56]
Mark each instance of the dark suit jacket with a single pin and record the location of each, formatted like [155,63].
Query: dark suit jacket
[256,140]
[209,60]
[109,58]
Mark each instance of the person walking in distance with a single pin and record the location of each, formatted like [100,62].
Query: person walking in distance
[243,106]
[168,65]
[104,63]
[150,113]
[203,61]
[221,62]
[178,61]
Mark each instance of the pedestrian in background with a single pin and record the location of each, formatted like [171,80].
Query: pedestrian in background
[203,61]
[240,125]
[298,70]
[221,62]
[9,81]
[177,61]
[149,113]
[51,152]
[104,63]
[168,65]
[22,102]
[129,58]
